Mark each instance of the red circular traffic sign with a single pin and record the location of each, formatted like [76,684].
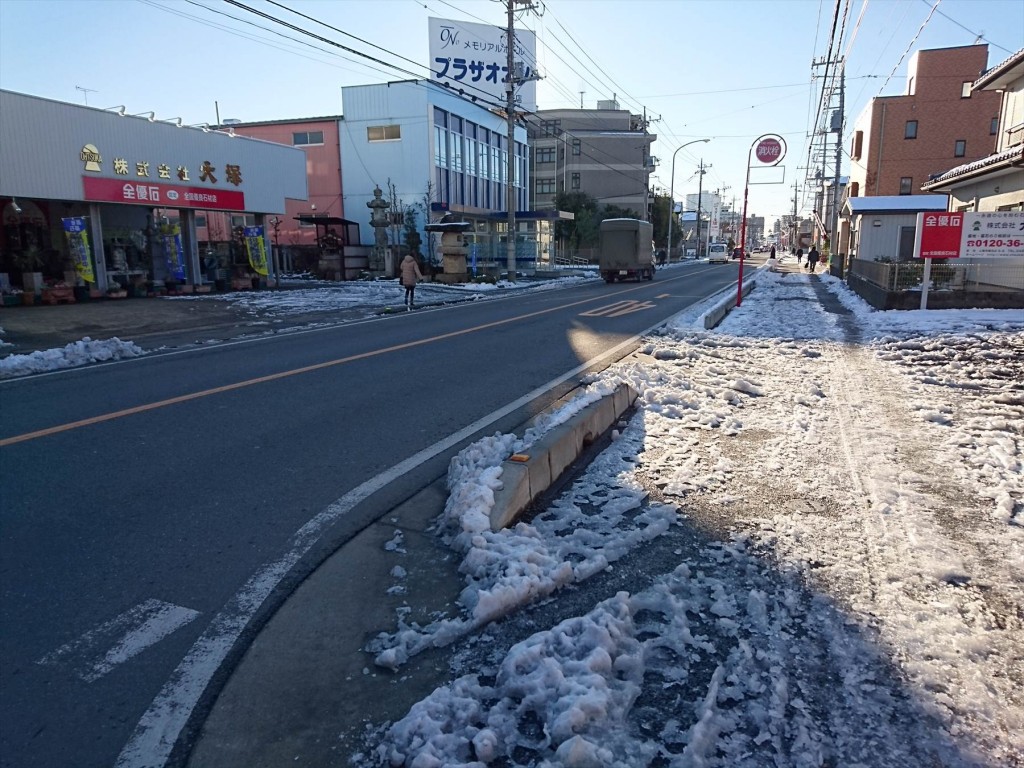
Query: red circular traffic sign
[769,150]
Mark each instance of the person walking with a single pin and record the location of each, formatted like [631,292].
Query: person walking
[410,276]
[812,258]
[771,254]
[799,256]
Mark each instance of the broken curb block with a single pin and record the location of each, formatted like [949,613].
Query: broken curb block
[524,477]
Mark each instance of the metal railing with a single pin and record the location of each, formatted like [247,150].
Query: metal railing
[1007,275]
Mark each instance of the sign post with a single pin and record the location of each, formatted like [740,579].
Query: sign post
[770,150]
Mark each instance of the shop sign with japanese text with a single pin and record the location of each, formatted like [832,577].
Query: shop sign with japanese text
[473,58]
[938,235]
[157,194]
[971,235]
[993,235]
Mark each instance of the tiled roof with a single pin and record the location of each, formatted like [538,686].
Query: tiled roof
[1000,69]
[1011,156]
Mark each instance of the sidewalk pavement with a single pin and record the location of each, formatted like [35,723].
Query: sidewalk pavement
[305,689]
[150,323]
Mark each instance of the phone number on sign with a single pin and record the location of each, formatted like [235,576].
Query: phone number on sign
[995,243]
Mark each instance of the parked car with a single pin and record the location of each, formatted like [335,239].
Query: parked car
[718,253]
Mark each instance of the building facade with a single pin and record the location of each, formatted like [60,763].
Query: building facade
[603,152]
[432,152]
[104,200]
[996,182]
[900,142]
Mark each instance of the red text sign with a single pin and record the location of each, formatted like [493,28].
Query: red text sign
[939,235]
[769,151]
[162,195]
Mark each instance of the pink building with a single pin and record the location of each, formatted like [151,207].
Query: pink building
[318,138]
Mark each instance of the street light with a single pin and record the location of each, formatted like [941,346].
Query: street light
[671,193]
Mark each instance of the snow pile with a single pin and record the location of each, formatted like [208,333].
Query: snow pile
[74,354]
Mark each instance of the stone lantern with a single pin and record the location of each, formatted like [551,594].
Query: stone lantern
[379,221]
[453,249]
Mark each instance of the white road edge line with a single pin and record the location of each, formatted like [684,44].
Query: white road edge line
[159,728]
[144,625]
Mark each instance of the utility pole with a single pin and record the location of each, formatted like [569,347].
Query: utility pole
[838,125]
[700,189]
[512,79]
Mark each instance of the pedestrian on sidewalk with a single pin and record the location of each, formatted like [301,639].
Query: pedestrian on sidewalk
[812,258]
[771,254]
[410,276]
[799,256]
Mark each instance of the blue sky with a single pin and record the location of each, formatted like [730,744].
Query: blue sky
[728,70]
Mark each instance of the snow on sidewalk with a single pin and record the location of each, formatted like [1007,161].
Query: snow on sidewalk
[852,597]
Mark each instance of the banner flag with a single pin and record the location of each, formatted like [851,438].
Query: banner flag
[78,244]
[256,247]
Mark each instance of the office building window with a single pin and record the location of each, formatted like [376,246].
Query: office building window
[305,138]
[384,133]
[910,131]
[576,146]
[575,181]
[965,90]
[546,155]
[550,127]
[906,185]
[960,148]
[545,186]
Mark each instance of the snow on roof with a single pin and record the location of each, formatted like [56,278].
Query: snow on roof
[896,204]
[1012,156]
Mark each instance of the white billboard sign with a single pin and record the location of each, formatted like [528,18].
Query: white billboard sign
[993,235]
[473,59]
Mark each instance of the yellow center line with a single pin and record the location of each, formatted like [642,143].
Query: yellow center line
[284,374]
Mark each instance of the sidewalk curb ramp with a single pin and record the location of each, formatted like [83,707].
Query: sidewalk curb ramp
[526,476]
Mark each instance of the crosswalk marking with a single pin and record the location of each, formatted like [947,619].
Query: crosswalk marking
[100,650]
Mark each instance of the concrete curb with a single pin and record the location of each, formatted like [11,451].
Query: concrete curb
[714,316]
[526,476]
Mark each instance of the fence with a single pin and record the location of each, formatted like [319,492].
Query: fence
[968,276]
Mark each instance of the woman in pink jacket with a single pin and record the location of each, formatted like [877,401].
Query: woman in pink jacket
[410,276]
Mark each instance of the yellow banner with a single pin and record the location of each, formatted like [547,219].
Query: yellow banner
[78,245]
[256,247]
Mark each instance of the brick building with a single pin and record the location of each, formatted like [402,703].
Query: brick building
[939,123]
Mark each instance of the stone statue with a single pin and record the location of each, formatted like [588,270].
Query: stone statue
[379,221]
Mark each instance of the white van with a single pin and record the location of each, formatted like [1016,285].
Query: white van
[718,253]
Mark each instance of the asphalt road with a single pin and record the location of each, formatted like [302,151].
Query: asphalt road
[142,499]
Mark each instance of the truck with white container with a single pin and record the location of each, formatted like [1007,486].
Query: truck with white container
[626,250]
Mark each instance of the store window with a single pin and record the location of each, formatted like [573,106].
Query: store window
[910,131]
[960,148]
[306,138]
[906,185]
[384,133]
